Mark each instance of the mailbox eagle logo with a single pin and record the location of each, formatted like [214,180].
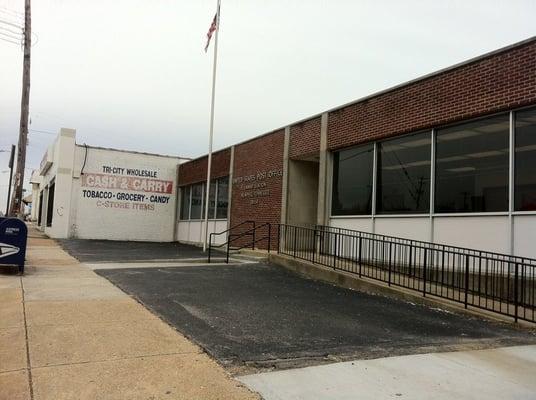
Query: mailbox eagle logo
[7,250]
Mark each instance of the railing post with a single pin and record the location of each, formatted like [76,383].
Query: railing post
[424,272]
[295,240]
[253,242]
[516,292]
[269,236]
[278,238]
[335,250]
[314,244]
[410,259]
[390,260]
[359,256]
[466,280]
[228,245]
[209,246]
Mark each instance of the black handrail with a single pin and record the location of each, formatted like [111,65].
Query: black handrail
[496,282]
[210,246]
[422,243]
[233,237]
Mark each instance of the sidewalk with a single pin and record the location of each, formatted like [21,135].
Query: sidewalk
[66,333]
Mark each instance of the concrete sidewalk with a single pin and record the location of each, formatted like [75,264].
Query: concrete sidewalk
[66,333]
[494,374]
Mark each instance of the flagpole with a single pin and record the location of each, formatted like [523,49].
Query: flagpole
[211,131]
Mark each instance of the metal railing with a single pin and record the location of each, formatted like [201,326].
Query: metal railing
[491,281]
[233,237]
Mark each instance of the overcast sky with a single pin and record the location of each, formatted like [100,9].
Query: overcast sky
[132,74]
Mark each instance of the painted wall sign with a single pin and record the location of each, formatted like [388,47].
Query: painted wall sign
[256,185]
[126,188]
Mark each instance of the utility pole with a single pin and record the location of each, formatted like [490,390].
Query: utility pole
[16,203]
[11,161]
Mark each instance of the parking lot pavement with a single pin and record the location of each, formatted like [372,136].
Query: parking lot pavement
[98,251]
[494,374]
[260,316]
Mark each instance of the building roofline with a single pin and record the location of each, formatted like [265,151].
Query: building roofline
[132,152]
[392,88]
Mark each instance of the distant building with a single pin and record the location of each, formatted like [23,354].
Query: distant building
[90,192]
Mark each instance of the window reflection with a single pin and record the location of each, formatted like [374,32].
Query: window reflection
[472,166]
[352,181]
[525,161]
[404,174]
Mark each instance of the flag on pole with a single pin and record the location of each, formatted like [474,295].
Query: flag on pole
[211,30]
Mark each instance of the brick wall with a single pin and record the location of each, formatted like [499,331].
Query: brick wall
[263,155]
[196,170]
[500,82]
[305,138]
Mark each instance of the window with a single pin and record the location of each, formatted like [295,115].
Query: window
[40,215]
[185,202]
[525,161]
[472,166]
[193,200]
[404,175]
[352,181]
[197,201]
[212,203]
[50,204]
[223,197]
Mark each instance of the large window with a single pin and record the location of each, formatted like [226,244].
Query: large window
[185,202]
[193,200]
[196,201]
[404,175]
[352,181]
[472,166]
[223,199]
[212,203]
[525,161]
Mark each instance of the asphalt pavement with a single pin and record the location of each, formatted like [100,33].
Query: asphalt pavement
[260,316]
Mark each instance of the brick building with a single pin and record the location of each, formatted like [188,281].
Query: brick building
[89,192]
[447,158]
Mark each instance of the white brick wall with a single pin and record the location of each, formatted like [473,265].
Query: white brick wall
[116,218]
[109,199]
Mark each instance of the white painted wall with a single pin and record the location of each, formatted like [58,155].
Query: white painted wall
[417,227]
[477,232]
[61,152]
[91,203]
[482,232]
[358,224]
[525,235]
[193,231]
[138,218]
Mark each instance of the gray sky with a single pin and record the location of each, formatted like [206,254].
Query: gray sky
[132,74]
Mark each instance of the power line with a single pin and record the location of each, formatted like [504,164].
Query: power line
[10,41]
[3,21]
[10,36]
[11,31]
[12,12]
[38,131]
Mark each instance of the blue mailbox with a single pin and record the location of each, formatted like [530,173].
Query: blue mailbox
[13,238]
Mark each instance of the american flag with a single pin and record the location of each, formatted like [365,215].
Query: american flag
[211,30]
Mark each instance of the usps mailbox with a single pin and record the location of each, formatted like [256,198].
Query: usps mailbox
[13,237]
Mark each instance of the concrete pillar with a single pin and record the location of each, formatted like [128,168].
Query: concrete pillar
[284,189]
[323,176]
